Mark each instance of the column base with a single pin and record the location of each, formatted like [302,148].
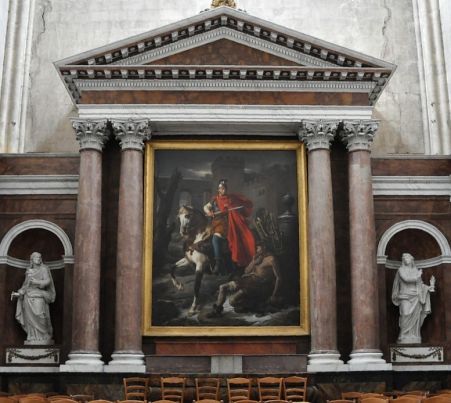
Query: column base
[125,361]
[80,361]
[368,360]
[325,361]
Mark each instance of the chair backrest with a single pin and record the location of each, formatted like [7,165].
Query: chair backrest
[295,388]
[406,399]
[437,399]
[136,388]
[238,389]
[374,400]
[82,398]
[33,399]
[58,397]
[269,388]
[173,389]
[207,388]
[64,400]
[421,393]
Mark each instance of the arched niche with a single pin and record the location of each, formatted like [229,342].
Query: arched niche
[431,250]
[19,242]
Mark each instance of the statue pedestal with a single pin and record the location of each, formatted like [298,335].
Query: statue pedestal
[408,353]
[33,355]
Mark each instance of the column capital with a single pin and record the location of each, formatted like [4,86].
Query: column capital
[318,133]
[359,134]
[132,133]
[91,134]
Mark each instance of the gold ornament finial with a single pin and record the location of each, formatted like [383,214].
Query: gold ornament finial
[220,3]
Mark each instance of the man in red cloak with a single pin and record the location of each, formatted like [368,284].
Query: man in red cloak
[229,212]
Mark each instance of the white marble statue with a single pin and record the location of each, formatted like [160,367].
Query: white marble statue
[33,300]
[413,298]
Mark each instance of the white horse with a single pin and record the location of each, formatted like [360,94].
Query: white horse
[195,230]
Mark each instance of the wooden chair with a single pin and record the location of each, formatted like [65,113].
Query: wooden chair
[100,401]
[422,393]
[33,399]
[418,397]
[136,388]
[207,401]
[36,394]
[238,389]
[340,401]
[162,401]
[58,397]
[173,389]
[354,396]
[131,401]
[244,401]
[82,398]
[207,388]
[295,388]
[371,395]
[277,401]
[269,388]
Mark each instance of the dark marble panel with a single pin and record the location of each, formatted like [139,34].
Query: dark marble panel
[223,97]
[275,364]
[431,166]
[174,364]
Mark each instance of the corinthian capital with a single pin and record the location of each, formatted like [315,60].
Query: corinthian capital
[359,134]
[91,134]
[132,133]
[318,134]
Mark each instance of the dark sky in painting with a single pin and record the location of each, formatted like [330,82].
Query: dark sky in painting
[197,163]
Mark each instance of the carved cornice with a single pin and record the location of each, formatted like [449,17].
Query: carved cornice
[132,133]
[91,134]
[358,135]
[318,134]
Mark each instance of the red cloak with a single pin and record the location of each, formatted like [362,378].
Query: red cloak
[239,236]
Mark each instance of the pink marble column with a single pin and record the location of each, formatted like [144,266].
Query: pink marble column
[128,353]
[84,355]
[366,355]
[324,356]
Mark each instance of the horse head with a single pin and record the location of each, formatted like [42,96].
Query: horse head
[191,220]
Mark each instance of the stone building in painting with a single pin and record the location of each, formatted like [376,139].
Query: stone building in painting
[333,116]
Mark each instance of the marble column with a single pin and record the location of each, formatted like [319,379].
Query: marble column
[128,355]
[84,355]
[366,355]
[324,356]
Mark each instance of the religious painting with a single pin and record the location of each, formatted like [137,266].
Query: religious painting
[225,239]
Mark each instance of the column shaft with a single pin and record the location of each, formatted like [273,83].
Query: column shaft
[321,253]
[86,285]
[363,253]
[129,253]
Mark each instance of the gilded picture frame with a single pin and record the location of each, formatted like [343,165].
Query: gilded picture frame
[256,166]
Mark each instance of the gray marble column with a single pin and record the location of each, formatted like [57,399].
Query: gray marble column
[128,355]
[366,355]
[324,356]
[84,355]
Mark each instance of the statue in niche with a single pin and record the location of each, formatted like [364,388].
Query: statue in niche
[413,298]
[33,300]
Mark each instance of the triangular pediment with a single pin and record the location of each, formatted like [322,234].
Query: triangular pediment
[225,44]
[224,52]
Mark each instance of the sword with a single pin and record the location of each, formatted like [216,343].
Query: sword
[225,212]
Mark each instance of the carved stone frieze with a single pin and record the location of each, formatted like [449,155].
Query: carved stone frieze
[359,134]
[90,133]
[132,133]
[318,134]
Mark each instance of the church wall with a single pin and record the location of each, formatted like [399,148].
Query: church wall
[384,29]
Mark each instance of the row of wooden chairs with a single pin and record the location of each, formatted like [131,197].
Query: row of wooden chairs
[44,398]
[291,388]
[395,395]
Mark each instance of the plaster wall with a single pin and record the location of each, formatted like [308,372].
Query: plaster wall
[380,28]
[4,5]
